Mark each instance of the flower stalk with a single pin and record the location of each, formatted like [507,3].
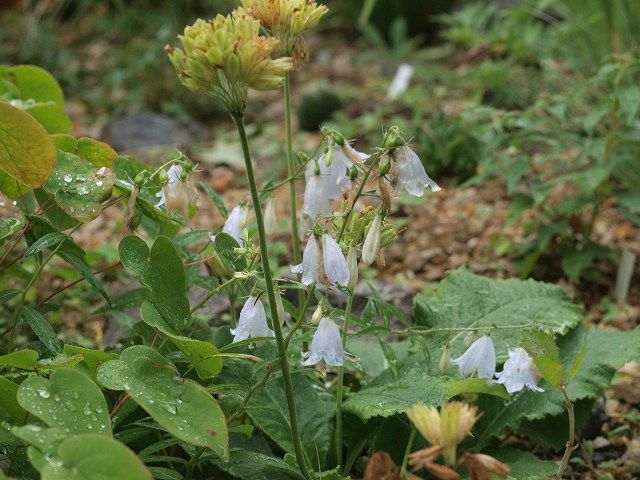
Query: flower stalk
[268,279]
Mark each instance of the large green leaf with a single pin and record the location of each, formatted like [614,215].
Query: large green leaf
[180,406]
[68,400]
[204,356]
[8,402]
[249,465]
[94,457]
[25,359]
[27,151]
[464,299]
[79,187]
[524,465]
[390,394]
[162,272]
[41,327]
[33,83]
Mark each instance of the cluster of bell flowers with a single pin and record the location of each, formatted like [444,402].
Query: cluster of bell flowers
[480,358]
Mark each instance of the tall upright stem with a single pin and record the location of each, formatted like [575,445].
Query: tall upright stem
[291,173]
[571,441]
[268,279]
[345,331]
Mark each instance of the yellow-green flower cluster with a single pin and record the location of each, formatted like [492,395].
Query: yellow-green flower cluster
[225,56]
[294,16]
[286,20]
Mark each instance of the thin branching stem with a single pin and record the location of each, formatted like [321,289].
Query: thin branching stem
[340,384]
[571,441]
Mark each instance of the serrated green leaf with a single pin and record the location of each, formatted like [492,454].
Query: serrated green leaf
[204,356]
[94,457]
[395,394]
[180,406]
[41,328]
[257,466]
[464,299]
[68,400]
[27,152]
[162,272]
[20,359]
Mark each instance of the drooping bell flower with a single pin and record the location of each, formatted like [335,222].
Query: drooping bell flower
[317,198]
[323,261]
[235,223]
[252,321]
[480,357]
[410,173]
[518,373]
[326,345]
[372,241]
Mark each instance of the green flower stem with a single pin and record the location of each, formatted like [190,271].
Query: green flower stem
[345,332]
[268,279]
[405,459]
[291,170]
[571,441]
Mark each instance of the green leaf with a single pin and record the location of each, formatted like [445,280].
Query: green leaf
[49,240]
[43,441]
[249,465]
[50,115]
[92,358]
[42,328]
[542,347]
[68,400]
[58,218]
[96,152]
[9,226]
[20,359]
[162,272]
[204,356]
[8,403]
[27,151]
[6,295]
[574,262]
[94,457]
[458,386]
[225,246]
[79,187]
[390,394]
[216,198]
[464,299]
[180,406]
[33,83]
[81,266]
[524,465]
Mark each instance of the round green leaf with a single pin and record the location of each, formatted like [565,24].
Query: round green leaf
[34,83]
[94,457]
[180,406]
[79,187]
[204,356]
[98,153]
[68,400]
[27,151]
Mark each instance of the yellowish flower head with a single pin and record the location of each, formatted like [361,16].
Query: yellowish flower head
[225,56]
[279,16]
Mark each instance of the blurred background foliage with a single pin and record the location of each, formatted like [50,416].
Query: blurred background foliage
[541,95]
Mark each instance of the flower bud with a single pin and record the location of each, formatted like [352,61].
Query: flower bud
[372,241]
[445,359]
[352,263]
[392,139]
[215,263]
[163,176]
[270,221]
[142,177]
[317,314]
[385,167]
[338,137]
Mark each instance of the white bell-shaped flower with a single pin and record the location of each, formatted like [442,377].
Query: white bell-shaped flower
[329,262]
[411,174]
[252,321]
[352,154]
[326,345]
[480,357]
[317,198]
[371,244]
[235,223]
[517,372]
[171,186]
